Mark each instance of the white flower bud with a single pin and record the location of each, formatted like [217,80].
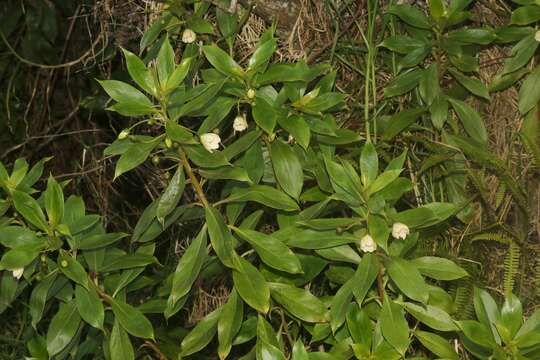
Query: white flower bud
[400,231]
[251,94]
[367,244]
[210,141]
[17,273]
[188,36]
[240,123]
[123,134]
[537,35]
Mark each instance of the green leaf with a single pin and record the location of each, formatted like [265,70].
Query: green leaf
[436,9]
[54,201]
[138,72]
[99,240]
[340,304]
[512,314]
[222,61]
[529,93]
[482,36]
[302,238]
[262,54]
[201,157]
[403,83]
[299,302]
[89,306]
[408,279]
[229,323]
[178,75]
[410,15]
[299,352]
[272,251]
[171,196]
[126,94]
[394,327]
[39,297]
[297,127]
[251,285]
[187,270]
[369,164]
[20,257]
[264,114]
[437,345]
[62,328]
[29,209]
[487,311]
[471,120]
[268,347]
[165,62]
[201,335]
[477,333]
[359,326]
[432,316]
[132,320]
[400,122]
[136,154]
[72,269]
[474,85]
[521,53]
[265,195]
[429,84]
[439,111]
[439,268]
[220,236]
[525,15]
[287,168]
[120,346]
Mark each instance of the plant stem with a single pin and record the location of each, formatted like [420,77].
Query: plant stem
[194,182]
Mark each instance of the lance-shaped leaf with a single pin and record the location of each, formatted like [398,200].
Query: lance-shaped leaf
[220,236]
[287,168]
[201,334]
[132,320]
[299,302]
[251,285]
[229,323]
[272,251]
[62,328]
[171,196]
[394,327]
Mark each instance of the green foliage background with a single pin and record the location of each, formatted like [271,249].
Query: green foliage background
[263,246]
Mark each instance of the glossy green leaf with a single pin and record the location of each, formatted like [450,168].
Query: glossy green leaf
[229,323]
[89,306]
[299,302]
[222,61]
[431,316]
[272,251]
[264,115]
[29,209]
[403,83]
[439,268]
[265,195]
[529,93]
[62,328]
[525,15]
[128,95]
[408,279]
[298,128]
[132,320]
[54,201]
[251,285]
[136,154]
[394,327]
[287,168]
[39,297]
[412,15]
[172,194]
[369,164]
[99,240]
[187,270]
[120,346]
[437,345]
[267,346]
[220,236]
[471,120]
[202,334]
[512,314]
[138,72]
[72,269]
[474,85]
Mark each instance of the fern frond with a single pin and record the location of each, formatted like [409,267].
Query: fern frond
[511,265]
[501,193]
[489,236]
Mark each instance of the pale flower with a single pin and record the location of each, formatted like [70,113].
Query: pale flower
[400,231]
[240,123]
[188,36]
[537,36]
[251,94]
[17,273]
[210,141]
[367,244]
